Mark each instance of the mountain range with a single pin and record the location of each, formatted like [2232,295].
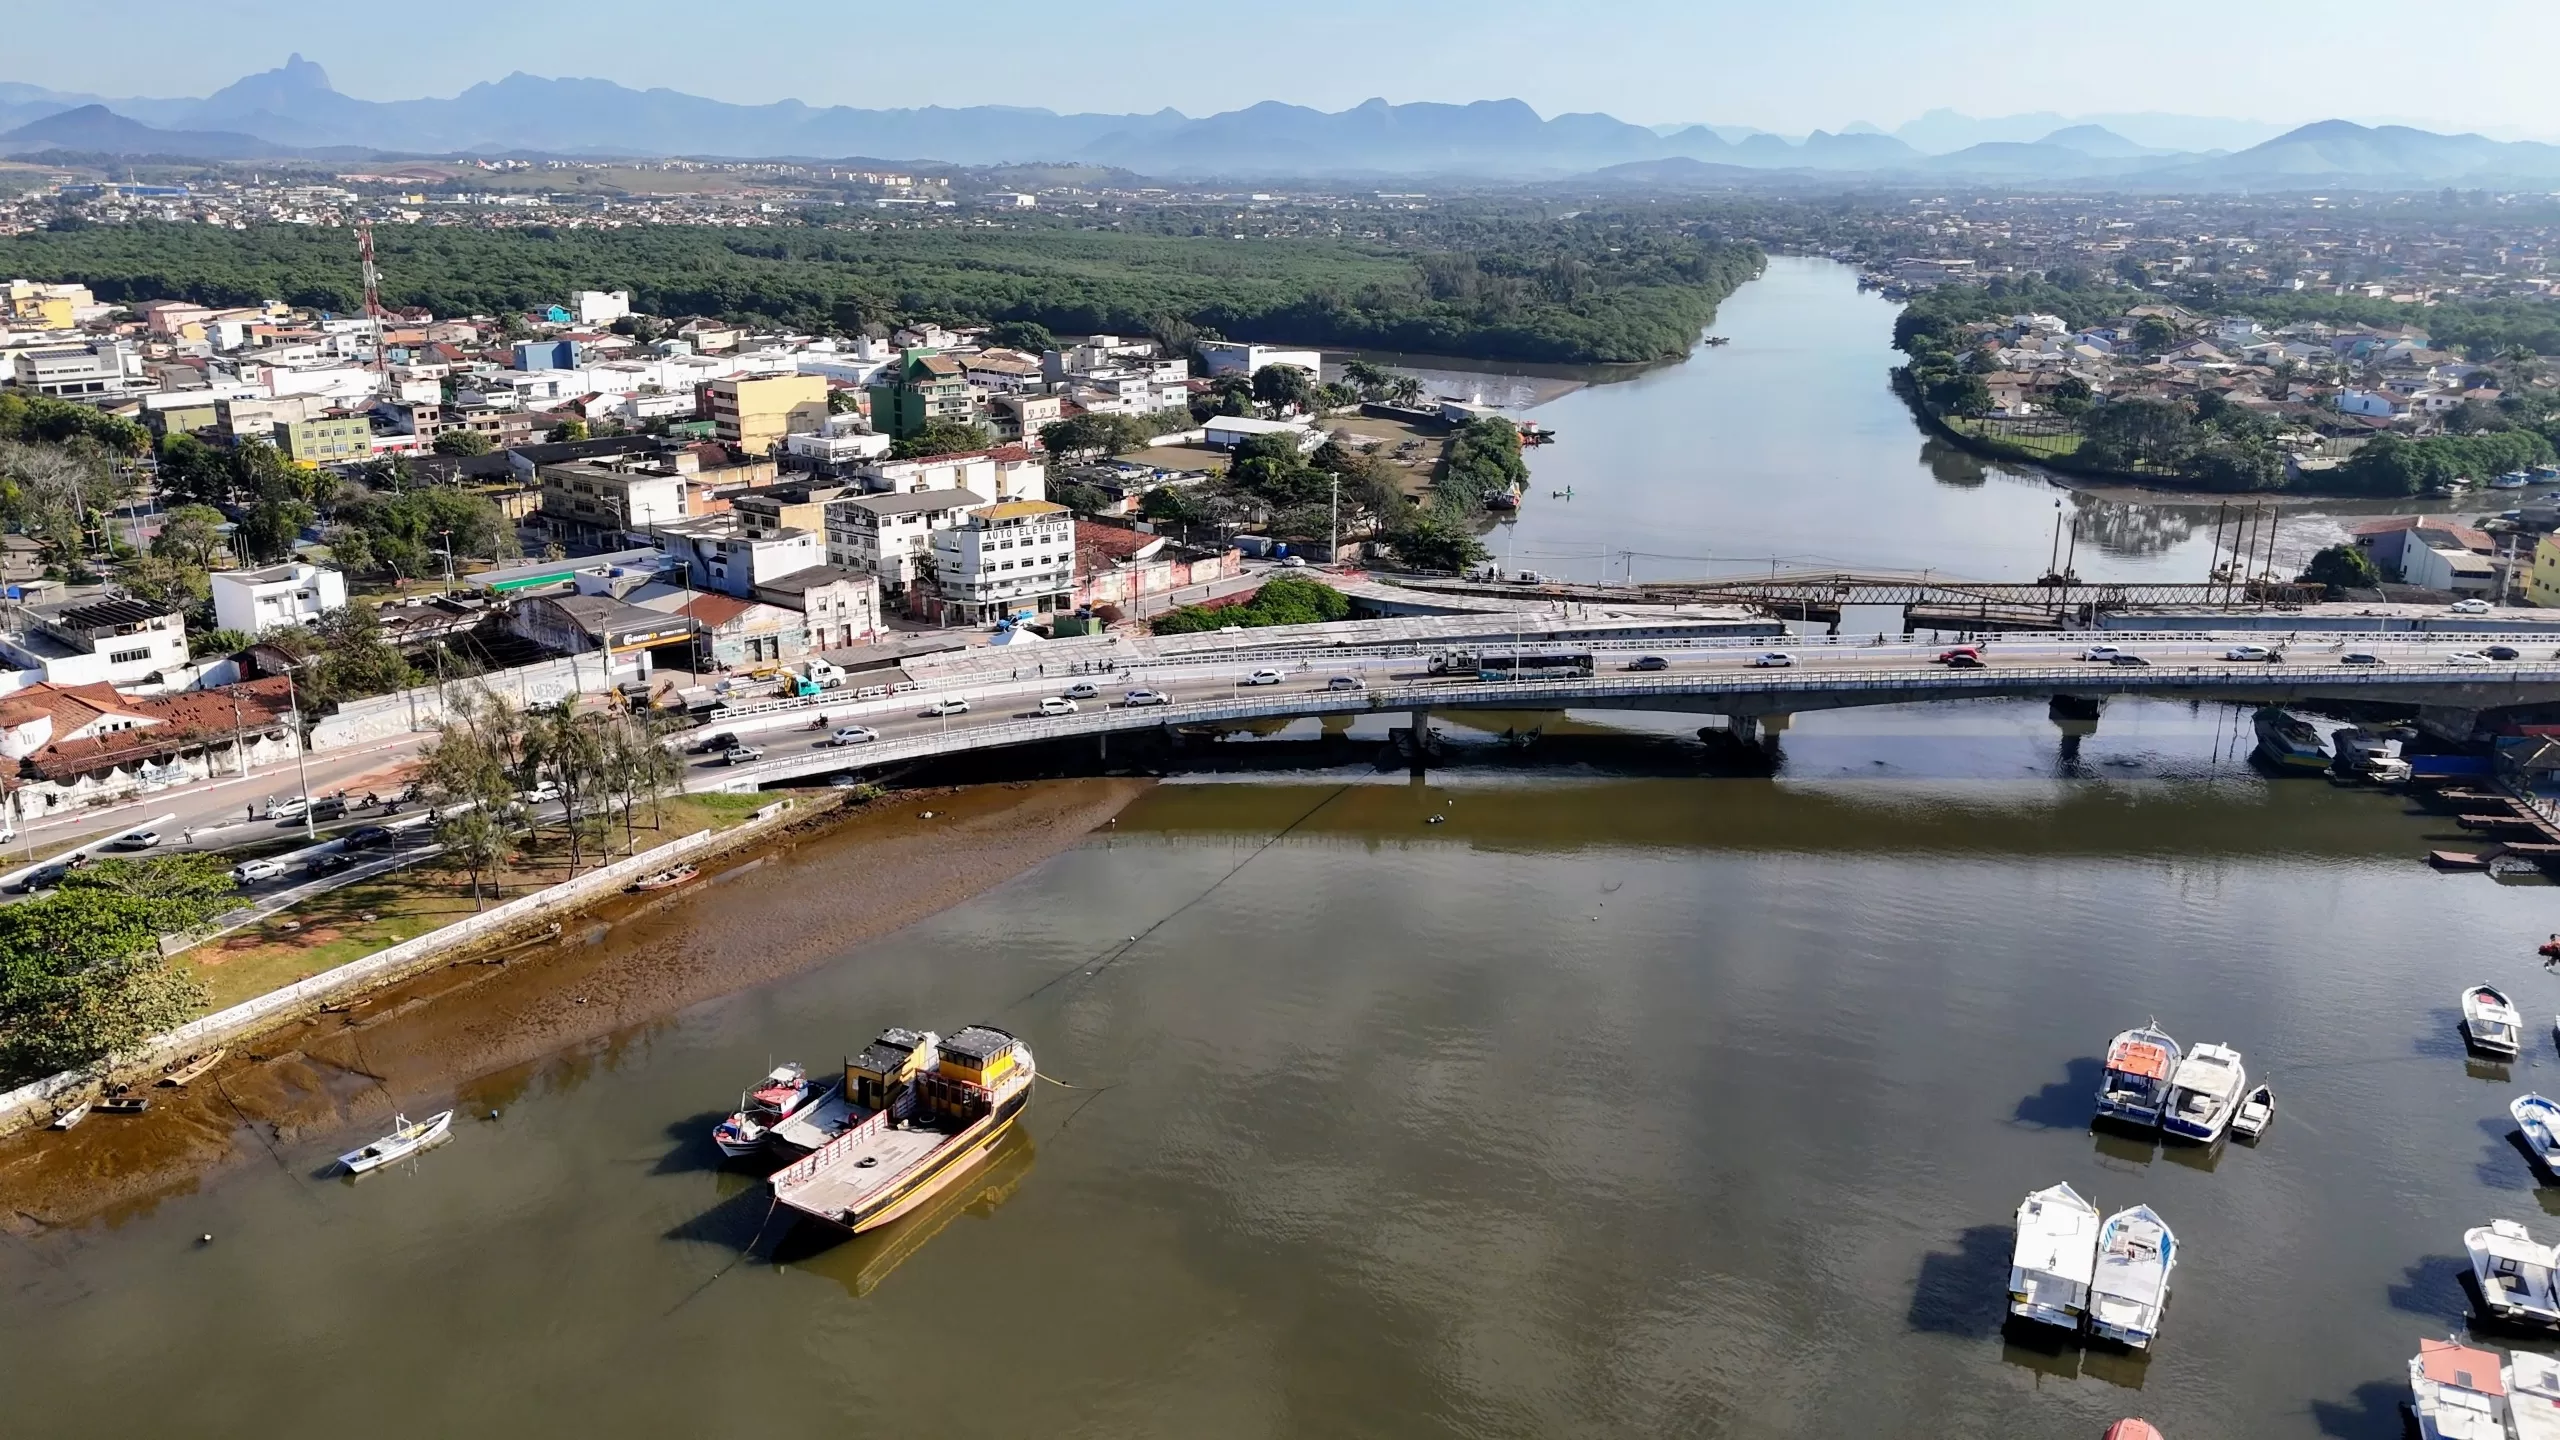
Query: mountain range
[294,110]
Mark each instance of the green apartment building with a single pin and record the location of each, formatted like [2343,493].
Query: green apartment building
[330,440]
[922,385]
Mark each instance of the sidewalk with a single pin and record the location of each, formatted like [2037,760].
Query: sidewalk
[210,804]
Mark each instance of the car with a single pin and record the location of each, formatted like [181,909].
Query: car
[2128,661]
[2469,607]
[1083,690]
[137,840]
[1146,697]
[2359,657]
[853,735]
[1057,705]
[715,744]
[329,807]
[1948,656]
[252,872]
[2100,652]
[366,835]
[2251,652]
[329,864]
[1346,682]
[948,705]
[2502,652]
[1963,661]
[1263,677]
[1771,659]
[546,791]
[740,755]
[292,807]
[1294,562]
[2468,657]
[1648,663]
[843,780]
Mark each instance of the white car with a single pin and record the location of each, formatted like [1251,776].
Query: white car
[1771,659]
[547,791]
[2100,652]
[2469,607]
[137,840]
[1083,690]
[250,872]
[1294,562]
[2468,657]
[1146,697]
[854,735]
[1057,705]
[951,706]
[1263,677]
[2249,652]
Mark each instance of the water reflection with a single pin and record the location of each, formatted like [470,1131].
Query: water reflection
[1953,465]
[861,1263]
[2132,531]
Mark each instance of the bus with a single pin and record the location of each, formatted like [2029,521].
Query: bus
[1519,665]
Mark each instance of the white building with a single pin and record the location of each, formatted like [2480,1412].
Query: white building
[1228,357]
[1226,432]
[891,536]
[254,602]
[717,557]
[2446,568]
[124,643]
[601,307]
[838,607]
[842,442]
[1010,559]
[97,368]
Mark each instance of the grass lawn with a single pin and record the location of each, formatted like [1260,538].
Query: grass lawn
[354,921]
[2044,447]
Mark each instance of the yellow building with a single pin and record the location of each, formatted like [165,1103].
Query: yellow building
[36,306]
[2543,587]
[754,414]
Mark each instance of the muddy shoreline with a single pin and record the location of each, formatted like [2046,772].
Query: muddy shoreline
[464,1034]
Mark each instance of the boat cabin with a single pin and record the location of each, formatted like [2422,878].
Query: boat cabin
[874,1076]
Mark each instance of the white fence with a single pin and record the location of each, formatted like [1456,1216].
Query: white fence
[403,711]
[377,968]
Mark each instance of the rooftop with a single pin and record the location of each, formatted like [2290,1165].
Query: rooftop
[913,502]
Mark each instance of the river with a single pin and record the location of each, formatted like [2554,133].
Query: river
[1612,1104]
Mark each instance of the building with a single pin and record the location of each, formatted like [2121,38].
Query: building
[920,387]
[1228,357]
[600,307]
[716,556]
[734,633]
[36,306]
[623,634]
[332,439]
[2542,587]
[890,537]
[1013,558]
[1117,566]
[532,355]
[1226,432]
[2418,550]
[755,413]
[838,607]
[593,500]
[1019,417]
[839,445]
[75,745]
[71,371]
[254,602]
[124,643]
[772,509]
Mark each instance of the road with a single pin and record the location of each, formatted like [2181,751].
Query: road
[223,805]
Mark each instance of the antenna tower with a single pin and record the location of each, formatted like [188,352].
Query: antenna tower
[372,291]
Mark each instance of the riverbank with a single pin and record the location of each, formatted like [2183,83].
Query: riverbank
[461,1033]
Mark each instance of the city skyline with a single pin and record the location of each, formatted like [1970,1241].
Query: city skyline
[2277,64]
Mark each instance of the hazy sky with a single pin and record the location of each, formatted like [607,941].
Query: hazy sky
[1789,66]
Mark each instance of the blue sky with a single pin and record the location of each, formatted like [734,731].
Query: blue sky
[1789,66]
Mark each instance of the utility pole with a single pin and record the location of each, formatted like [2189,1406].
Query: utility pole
[1333,534]
[301,744]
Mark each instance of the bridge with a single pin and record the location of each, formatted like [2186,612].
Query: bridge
[1720,680]
[1928,600]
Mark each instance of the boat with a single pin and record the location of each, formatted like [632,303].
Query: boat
[2464,860]
[2136,1252]
[2289,742]
[2136,1082]
[666,879]
[2257,1112]
[2132,1429]
[782,1093]
[70,1117]
[2539,1119]
[2055,1255]
[2512,480]
[121,1105]
[189,1069]
[929,1107]
[2533,1396]
[2490,1021]
[2204,1092]
[2519,1279]
[2457,1392]
[407,1138]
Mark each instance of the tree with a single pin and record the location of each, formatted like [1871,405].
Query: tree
[1086,436]
[2342,567]
[1284,387]
[350,548]
[1370,381]
[1081,499]
[1022,335]
[567,747]
[1433,542]
[2153,334]
[943,437]
[272,527]
[193,472]
[468,773]
[462,442]
[572,428]
[1288,600]
[81,975]
[192,533]
[165,581]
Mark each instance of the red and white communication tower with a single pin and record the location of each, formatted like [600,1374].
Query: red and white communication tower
[372,291]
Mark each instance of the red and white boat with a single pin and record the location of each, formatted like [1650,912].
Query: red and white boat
[772,1100]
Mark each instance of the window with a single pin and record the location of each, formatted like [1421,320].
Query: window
[127,657]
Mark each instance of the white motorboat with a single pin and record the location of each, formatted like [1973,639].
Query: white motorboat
[2136,1252]
[782,1093]
[2519,1279]
[2490,1021]
[2539,1119]
[2136,1084]
[2257,1112]
[407,1138]
[2204,1093]
[2057,1252]
[2457,1392]
[2533,1396]
[71,1116]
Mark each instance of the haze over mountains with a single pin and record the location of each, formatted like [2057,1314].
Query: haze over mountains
[293,110]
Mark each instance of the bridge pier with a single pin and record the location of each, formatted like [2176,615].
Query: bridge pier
[1744,728]
[2448,722]
[1420,719]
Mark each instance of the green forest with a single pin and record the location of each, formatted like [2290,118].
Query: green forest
[1570,291]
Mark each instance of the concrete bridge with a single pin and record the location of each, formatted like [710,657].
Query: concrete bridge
[1719,680]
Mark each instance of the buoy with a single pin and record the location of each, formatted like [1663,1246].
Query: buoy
[493,1114]
[205,1239]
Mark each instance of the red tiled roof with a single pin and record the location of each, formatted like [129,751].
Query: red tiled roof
[187,720]
[715,610]
[1008,454]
